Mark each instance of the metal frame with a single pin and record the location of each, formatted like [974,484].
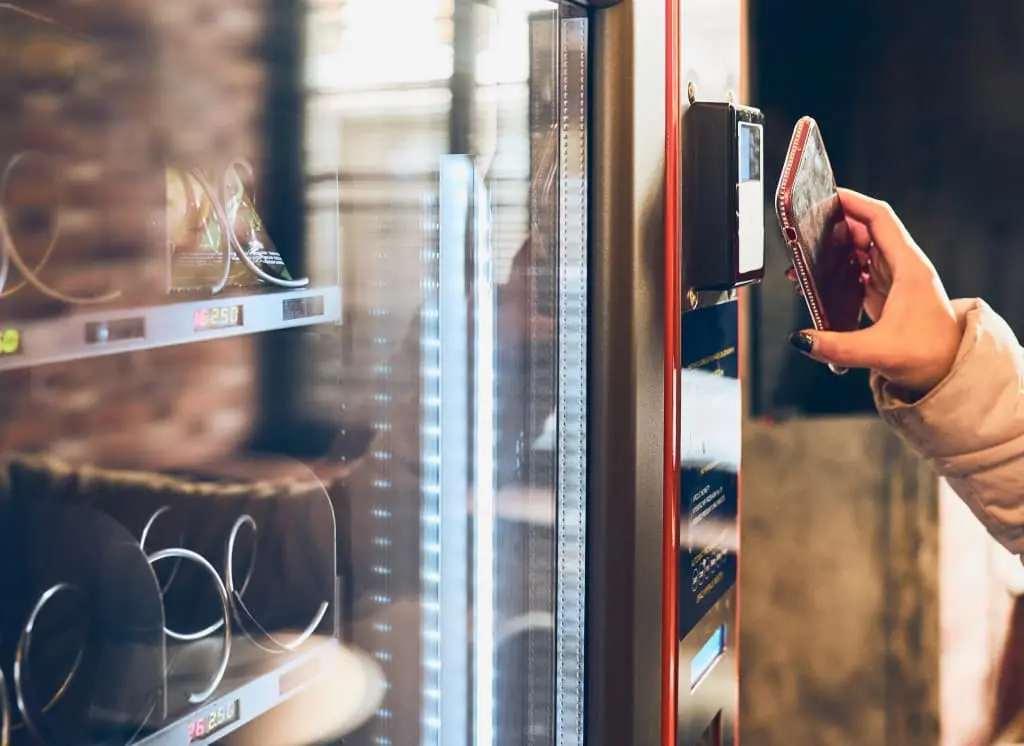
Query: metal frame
[624,377]
[571,509]
[707,57]
[574,333]
[633,690]
[627,391]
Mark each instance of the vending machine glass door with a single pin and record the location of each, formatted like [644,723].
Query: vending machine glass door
[293,372]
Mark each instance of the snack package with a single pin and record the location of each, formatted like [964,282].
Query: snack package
[215,236]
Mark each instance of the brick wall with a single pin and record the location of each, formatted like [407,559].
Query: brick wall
[155,82]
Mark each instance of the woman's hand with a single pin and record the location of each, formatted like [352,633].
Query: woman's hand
[916,331]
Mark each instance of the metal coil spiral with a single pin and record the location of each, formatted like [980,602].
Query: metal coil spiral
[22,681]
[225,622]
[242,614]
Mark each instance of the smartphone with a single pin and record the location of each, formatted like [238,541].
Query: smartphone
[828,268]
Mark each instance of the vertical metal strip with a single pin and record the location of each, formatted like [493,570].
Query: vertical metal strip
[626,374]
[484,472]
[672,366]
[745,364]
[571,601]
[463,81]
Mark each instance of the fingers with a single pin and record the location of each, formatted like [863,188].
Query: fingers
[881,272]
[867,210]
[865,348]
[962,305]
[860,236]
[841,234]
[875,295]
[883,227]
[791,276]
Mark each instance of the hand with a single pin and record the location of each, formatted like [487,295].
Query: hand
[916,331]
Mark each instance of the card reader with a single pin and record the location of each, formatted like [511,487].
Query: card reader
[722,196]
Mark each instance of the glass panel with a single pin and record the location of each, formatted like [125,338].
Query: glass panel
[293,372]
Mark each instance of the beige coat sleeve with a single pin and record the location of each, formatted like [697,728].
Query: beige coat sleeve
[971,426]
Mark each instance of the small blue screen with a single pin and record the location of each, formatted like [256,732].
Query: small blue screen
[707,656]
[750,152]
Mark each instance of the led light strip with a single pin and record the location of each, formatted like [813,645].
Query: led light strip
[430,484]
[454,389]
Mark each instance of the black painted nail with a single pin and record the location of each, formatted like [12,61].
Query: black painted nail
[802,341]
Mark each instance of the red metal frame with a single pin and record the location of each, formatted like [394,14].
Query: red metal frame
[670,537]
[744,331]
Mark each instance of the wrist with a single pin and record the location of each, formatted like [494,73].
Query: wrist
[948,345]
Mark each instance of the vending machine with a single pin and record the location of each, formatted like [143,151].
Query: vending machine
[679,234]
[719,199]
[294,394]
[369,371]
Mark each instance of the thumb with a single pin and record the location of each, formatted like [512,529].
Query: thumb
[863,348]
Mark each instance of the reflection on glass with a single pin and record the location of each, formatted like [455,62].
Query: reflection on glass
[292,373]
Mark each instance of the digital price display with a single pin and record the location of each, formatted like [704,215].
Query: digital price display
[214,720]
[303,308]
[218,317]
[10,342]
[118,330]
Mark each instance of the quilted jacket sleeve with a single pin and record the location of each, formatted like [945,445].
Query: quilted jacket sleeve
[971,426]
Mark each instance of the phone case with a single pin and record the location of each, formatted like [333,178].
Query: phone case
[812,221]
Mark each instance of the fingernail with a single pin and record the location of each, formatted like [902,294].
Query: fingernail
[802,341]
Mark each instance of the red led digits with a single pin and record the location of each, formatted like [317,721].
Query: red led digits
[213,721]
[218,317]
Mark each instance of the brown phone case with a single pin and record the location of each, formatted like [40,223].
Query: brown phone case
[813,224]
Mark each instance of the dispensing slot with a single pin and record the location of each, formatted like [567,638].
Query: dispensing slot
[712,736]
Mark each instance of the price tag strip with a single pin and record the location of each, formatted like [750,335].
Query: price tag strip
[214,719]
[105,333]
[348,681]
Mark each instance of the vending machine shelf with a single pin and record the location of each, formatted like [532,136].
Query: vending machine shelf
[99,333]
[346,679]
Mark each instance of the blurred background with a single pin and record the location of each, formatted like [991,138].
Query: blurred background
[915,108]
[884,615]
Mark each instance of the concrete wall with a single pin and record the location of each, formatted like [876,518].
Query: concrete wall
[871,608]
